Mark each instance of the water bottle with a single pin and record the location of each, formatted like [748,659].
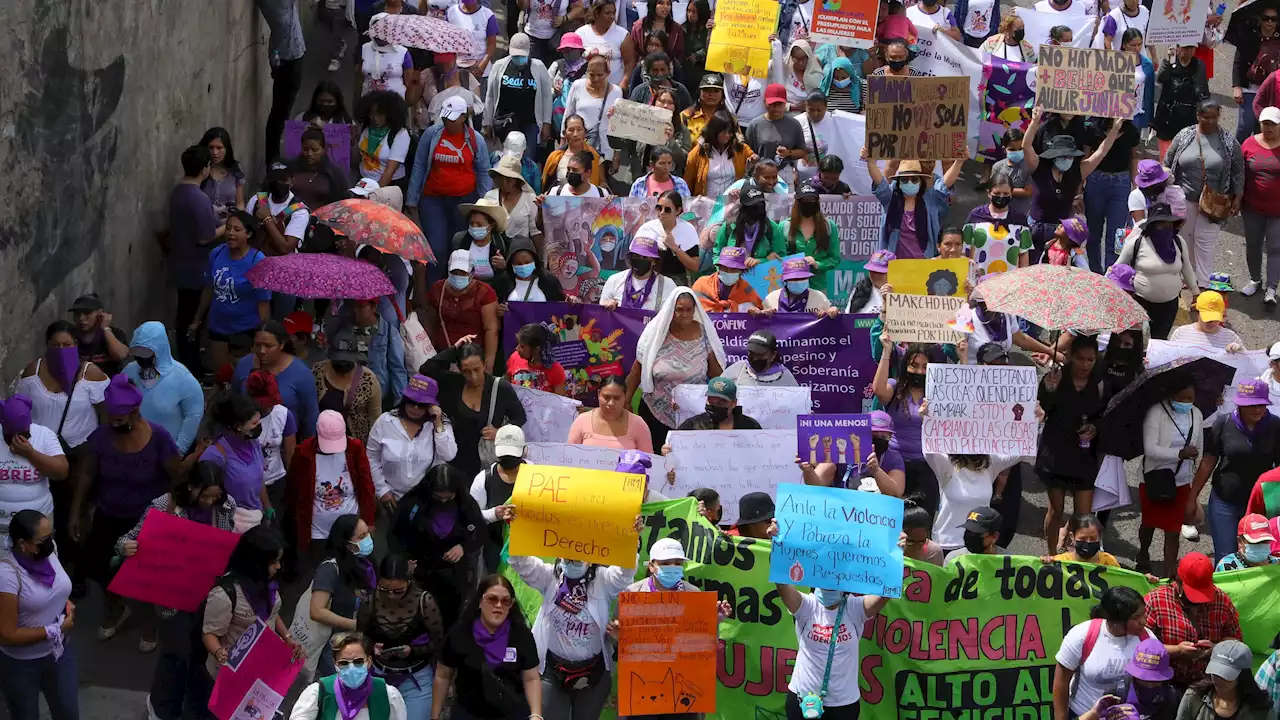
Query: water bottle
[1084,442]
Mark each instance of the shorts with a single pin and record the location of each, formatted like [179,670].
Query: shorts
[1167,516]
[1053,481]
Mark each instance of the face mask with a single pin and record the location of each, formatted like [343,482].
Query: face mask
[642,266]
[1000,202]
[808,208]
[758,363]
[1182,408]
[364,548]
[1087,548]
[1063,164]
[729,278]
[881,446]
[146,362]
[796,287]
[253,434]
[477,233]
[915,379]
[842,83]
[1015,156]
[827,598]
[519,60]
[658,79]
[910,189]
[896,65]
[44,549]
[353,676]
[717,413]
[1254,553]
[669,575]
[975,543]
[123,428]
[573,178]
[524,271]
[1148,696]
[507,462]
[279,191]
[1018,35]
[574,569]
[459,282]
[1161,235]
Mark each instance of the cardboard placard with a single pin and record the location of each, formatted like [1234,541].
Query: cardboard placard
[929,277]
[980,410]
[739,43]
[640,122]
[842,439]
[177,562]
[917,118]
[1178,23]
[576,514]
[667,645]
[259,670]
[1076,81]
[921,318]
[849,23]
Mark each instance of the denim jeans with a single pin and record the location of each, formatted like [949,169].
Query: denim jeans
[1224,520]
[23,681]
[1106,202]
[416,692]
[1246,123]
[440,220]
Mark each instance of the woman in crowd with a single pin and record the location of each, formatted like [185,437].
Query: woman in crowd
[1073,398]
[1010,43]
[519,97]
[1106,194]
[279,437]
[718,158]
[1228,688]
[405,442]
[352,691]
[678,346]
[1202,156]
[1131,41]
[1261,208]
[485,239]
[555,171]
[1161,261]
[490,658]
[796,293]
[697,32]
[1092,650]
[384,138]
[36,656]
[33,457]
[659,178]
[1183,86]
[813,235]
[344,580]
[545,19]
[659,17]
[474,400]
[611,424]
[799,71]
[237,424]
[602,38]
[532,365]
[999,217]
[1238,447]
[525,279]
[327,106]
[1084,542]
[344,384]
[272,352]
[171,396]
[869,290]
[915,541]
[710,101]
[403,623]
[439,526]
[964,483]
[678,143]
[316,180]
[578,170]
[128,463]
[233,305]
[492,487]
[225,184]
[902,399]
[328,478]
[592,97]
[642,286]
[914,204]
[677,246]
[751,229]
[724,290]
[385,67]
[512,194]
[571,630]
[841,83]
[515,145]
[461,306]
[439,83]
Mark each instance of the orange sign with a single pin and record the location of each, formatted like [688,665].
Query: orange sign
[667,653]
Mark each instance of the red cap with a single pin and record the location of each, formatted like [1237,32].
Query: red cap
[775,93]
[1254,528]
[1195,570]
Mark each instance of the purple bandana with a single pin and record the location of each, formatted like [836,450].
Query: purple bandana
[443,520]
[41,570]
[993,322]
[352,700]
[635,297]
[750,236]
[261,602]
[572,595]
[724,289]
[494,645]
[64,363]
[242,447]
[793,303]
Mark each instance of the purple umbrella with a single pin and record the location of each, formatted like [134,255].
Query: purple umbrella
[320,276]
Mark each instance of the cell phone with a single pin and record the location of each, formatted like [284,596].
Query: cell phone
[1204,643]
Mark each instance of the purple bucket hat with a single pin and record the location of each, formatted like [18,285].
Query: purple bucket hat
[1151,173]
[645,247]
[1150,662]
[881,421]
[1121,276]
[634,462]
[422,390]
[734,258]
[1252,392]
[1077,230]
[795,269]
[1122,711]
[879,261]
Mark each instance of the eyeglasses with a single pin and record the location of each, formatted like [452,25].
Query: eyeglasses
[358,662]
[1270,18]
[499,600]
[666,209]
[389,591]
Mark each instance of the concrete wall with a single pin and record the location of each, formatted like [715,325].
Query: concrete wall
[98,98]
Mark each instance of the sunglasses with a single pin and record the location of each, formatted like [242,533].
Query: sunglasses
[499,600]
[1270,18]
[666,209]
[358,662]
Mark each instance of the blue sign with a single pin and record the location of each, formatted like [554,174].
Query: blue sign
[837,539]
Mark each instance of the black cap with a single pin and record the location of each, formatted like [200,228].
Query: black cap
[992,353]
[762,341]
[808,188]
[755,507]
[712,80]
[1159,212]
[86,304]
[751,195]
[345,346]
[982,520]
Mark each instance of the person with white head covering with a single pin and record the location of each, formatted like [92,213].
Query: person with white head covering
[514,145]
[678,346]
[513,193]
[1269,376]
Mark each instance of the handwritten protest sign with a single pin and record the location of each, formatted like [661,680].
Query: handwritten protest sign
[844,439]
[548,415]
[590,457]
[939,56]
[337,141]
[1075,81]
[592,343]
[1180,23]
[850,23]
[731,462]
[576,514]
[258,673]
[921,318]
[917,118]
[980,410]
[929,277]
[775,408]
[177,562]
[640,122]
[837,539]
[740,40]
[667,644]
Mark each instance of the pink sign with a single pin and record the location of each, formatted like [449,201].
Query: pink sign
[258,658]
[178,561]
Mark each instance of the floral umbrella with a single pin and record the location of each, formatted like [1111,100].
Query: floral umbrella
[366,222]
[1061,298]
[423,32]
[320,275]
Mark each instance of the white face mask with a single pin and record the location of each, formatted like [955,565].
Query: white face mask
[729,278]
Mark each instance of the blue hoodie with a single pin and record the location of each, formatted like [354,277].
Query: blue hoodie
[174,400]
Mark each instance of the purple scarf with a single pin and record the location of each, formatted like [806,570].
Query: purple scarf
[571,595]
[993,322]
[635,297]
[243,448]
[443,520]
[749,236]
[352,700]
[494,645]
[1258,426]
[260,601]
[42,571]
[64,363]
[793,303]
[199,513]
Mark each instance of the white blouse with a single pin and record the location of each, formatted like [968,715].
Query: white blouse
[47,407]
[398,461]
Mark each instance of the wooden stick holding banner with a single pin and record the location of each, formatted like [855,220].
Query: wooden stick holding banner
[667,645]
[576,514]
[640,122]
[1076,81]
[917,118]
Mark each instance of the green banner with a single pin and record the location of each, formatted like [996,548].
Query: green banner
[977,637]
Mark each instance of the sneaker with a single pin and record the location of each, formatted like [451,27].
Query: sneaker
[1190,532]
[334,65]
[1270,297]
[1251,288]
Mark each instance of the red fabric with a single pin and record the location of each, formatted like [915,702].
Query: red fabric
[896,26]
[1215,621]
[546,379]
[1206,56]
[453,172]
[1261,178]
[301,486]
[1266,96]
[458,313]
[1163,516]
[1257,499]
[261,387]
[225,374]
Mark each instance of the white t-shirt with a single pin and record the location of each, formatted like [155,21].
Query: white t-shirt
[335,495]
[1078,8]
[1191,334]
[47,407]
[1137,201]
[961,491]
[609,45]
[541,14]
[22,487]
[813,630]
[981,336]
[574,636]
[527,291]
[720,173]
[679,10]
[477,24]
[686,235]
[480,266]
[874,304]
[816,302]
[296,226]
[1103,671]
[941,18]
[1123,22]
[593,110]
[564,189]
[616,286]
[270,440]
[383,68]
[746,102]
[396,148]
[978,22]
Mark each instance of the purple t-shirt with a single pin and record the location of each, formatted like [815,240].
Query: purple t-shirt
[191,220]
[906,428]
[1050,199]
[908,240]
[126,483]
[241,463]
[37,605]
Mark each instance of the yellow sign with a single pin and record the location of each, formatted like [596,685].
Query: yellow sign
[740,40]
[929,277]
[576,514]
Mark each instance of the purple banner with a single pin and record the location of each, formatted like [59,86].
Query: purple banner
[830,356]
[592,343]
[337,140]
[841,438]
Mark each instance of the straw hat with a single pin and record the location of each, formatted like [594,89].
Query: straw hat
[509,166]
[496,212]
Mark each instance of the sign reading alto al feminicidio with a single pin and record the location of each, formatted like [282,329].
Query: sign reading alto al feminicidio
[980,410]
[576,514]
[1079,81]
[917,118]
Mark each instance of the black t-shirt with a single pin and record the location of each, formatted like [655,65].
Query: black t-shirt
[517,93]
[95,351]
[1240,462]
[472,692]
[1121,154]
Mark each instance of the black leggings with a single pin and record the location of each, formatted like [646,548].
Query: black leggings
[657,430]
[1162,316]
[920,479]
[844,712]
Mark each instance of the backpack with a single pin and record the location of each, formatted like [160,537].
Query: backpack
[1090,640]
[308,242]
[1266,62]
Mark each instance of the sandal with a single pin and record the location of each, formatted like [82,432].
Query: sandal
[106,633]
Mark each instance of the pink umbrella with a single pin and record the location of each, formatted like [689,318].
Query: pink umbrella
[320,276]
[423,32]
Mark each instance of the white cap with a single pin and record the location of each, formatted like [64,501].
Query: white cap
[365,187]
[1271,114]
[455,107]
[460,260]
[667,549]
[509,442]
[519,45]
[1274,352]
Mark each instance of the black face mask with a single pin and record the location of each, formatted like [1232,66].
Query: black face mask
[896,65]
[718,414]
[44,549]
[1087,548]
[751,214]
[253,434]
[758,363]
[146,362]
[123,429]
[881,446]
[279,190]
[975,543]
[1018,35]
[573,178]
[507,462]
[642,266]
[1000,202]
[342,367]
[808,208]
[915,379]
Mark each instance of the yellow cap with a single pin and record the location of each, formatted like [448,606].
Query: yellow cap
[1211,306]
